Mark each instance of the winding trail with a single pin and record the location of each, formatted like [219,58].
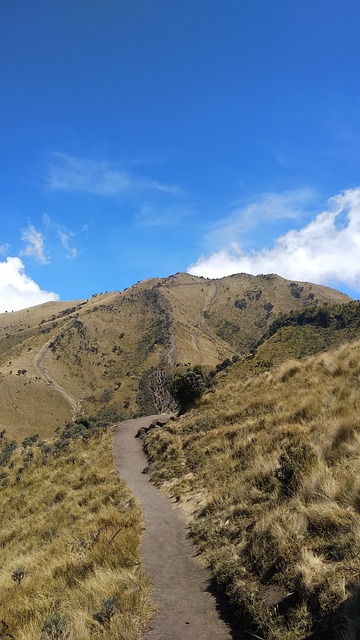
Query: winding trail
[212,295]
[187,611]
[40,368]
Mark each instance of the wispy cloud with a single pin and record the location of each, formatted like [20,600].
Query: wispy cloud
[269,208]
[68,173]
[64,238]
[34,246]
[325,250]
[17,290]
[63,235]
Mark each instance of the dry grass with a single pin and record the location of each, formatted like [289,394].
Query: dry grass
[100,348]
[74,527]
[269,469]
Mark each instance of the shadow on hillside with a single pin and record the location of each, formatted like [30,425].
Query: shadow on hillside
[239,626]
[344,621]
[342,624]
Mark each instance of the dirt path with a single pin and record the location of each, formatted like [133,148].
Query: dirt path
[40,368]
[187,611]
[212,295]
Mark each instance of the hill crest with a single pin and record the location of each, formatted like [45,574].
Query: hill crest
[114,350]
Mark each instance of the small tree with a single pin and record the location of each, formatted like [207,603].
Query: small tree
[188,386]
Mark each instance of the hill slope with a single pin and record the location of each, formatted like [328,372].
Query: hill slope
[114,350]
[267,467]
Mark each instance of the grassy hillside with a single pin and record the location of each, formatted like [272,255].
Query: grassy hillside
[115,350]
[302,333]
[69,538]
[266,466]
[267,469]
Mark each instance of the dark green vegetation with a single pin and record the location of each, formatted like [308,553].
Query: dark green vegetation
[188,386]
[304,333]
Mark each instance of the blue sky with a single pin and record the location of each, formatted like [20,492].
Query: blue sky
[140,138]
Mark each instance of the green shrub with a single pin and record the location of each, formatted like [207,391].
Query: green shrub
[188,386]
[107,610]
[295,461]
[30,440]
[55,627]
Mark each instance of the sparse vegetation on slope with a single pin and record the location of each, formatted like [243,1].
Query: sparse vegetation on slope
[303,333]
[69,538]
[268,466]
[113,349]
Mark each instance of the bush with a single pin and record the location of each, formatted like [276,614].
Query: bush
[55,627]
[188,386]
[30,440]
[19,574]
[107,610]
[6,451]
[296,461]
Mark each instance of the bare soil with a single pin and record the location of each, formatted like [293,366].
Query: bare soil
[40,368]
[187,610]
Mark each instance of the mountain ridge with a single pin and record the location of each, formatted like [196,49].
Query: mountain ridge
[115,349]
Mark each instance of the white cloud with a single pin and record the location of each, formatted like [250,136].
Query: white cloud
[34,244]
[323,251]
[68,173]
[17,290]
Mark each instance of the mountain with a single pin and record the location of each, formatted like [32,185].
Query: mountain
[265,462]
[114,351]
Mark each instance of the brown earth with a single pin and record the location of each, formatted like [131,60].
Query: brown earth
[40,368]
[187,610]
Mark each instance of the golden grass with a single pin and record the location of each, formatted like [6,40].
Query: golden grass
[269,469]
[74,526]
[100,348]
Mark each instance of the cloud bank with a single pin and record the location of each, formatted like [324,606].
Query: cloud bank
[324,251]
[17,290]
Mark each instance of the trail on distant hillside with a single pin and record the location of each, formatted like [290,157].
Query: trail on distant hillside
[212,295]
[187,611]
[39,366]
